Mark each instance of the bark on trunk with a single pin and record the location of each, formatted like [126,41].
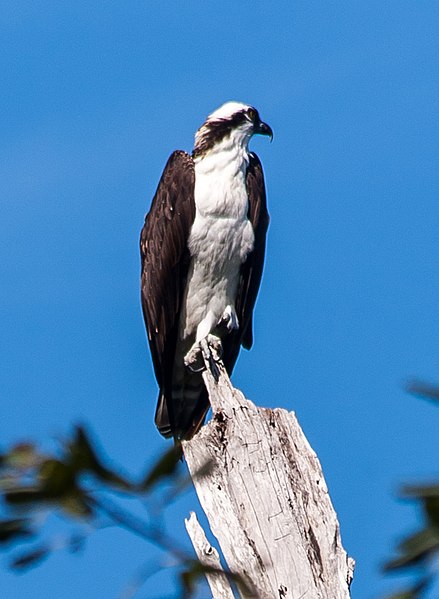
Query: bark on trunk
[266,499]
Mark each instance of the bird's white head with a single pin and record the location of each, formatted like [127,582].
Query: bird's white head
[233,122]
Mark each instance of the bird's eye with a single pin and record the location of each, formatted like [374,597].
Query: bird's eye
[251,113]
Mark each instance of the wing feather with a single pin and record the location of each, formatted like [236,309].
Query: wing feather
[165,260]
[251,270]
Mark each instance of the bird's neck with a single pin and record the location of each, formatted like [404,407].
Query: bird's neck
[220,189]
[228,155]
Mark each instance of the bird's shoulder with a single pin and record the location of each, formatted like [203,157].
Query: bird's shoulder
[256,190]
[180,159]
[174,196]
[254,160]
[177,180]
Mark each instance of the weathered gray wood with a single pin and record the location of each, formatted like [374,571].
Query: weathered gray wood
[208,556]
[266,499]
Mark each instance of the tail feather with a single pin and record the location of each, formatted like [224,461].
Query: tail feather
[189,407]
[162,416]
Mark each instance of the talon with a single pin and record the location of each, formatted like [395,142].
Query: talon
[216,347]
[208,356]
[209,349]
[196,369]
[229,319]
[194,359]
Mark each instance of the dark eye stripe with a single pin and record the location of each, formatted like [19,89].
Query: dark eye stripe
[218,130]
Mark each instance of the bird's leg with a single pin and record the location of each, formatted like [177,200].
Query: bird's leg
[209,345]
[229,319]
[209,348]
[194,358]
[216,347]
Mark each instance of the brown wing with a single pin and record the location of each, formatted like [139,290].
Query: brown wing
[165,260]
[251,270]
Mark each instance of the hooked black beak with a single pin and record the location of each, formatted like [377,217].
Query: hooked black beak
[263,129]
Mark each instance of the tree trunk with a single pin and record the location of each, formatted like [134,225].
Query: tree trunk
[266,500]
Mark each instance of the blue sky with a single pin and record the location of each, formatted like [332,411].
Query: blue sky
[94,98]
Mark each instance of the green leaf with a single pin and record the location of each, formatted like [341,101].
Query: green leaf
[54,481]
[22,456]
[76,543]
[30,558]
[23,495]
[9,482]
[76,505]
[404,595]
[56,478]
[11,529]
[188,583]
[196,570]
[415,592]
[431,508]
[423,390]
[83,458]
[429,496]
[422,541]
[190,576]
[415,548]
[164,468]
[420,491]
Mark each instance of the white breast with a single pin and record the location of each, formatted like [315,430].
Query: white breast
[220,240]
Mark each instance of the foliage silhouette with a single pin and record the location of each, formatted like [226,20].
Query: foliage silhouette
[74,481]
[417,552]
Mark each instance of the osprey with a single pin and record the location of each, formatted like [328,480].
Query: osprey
[202,251]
